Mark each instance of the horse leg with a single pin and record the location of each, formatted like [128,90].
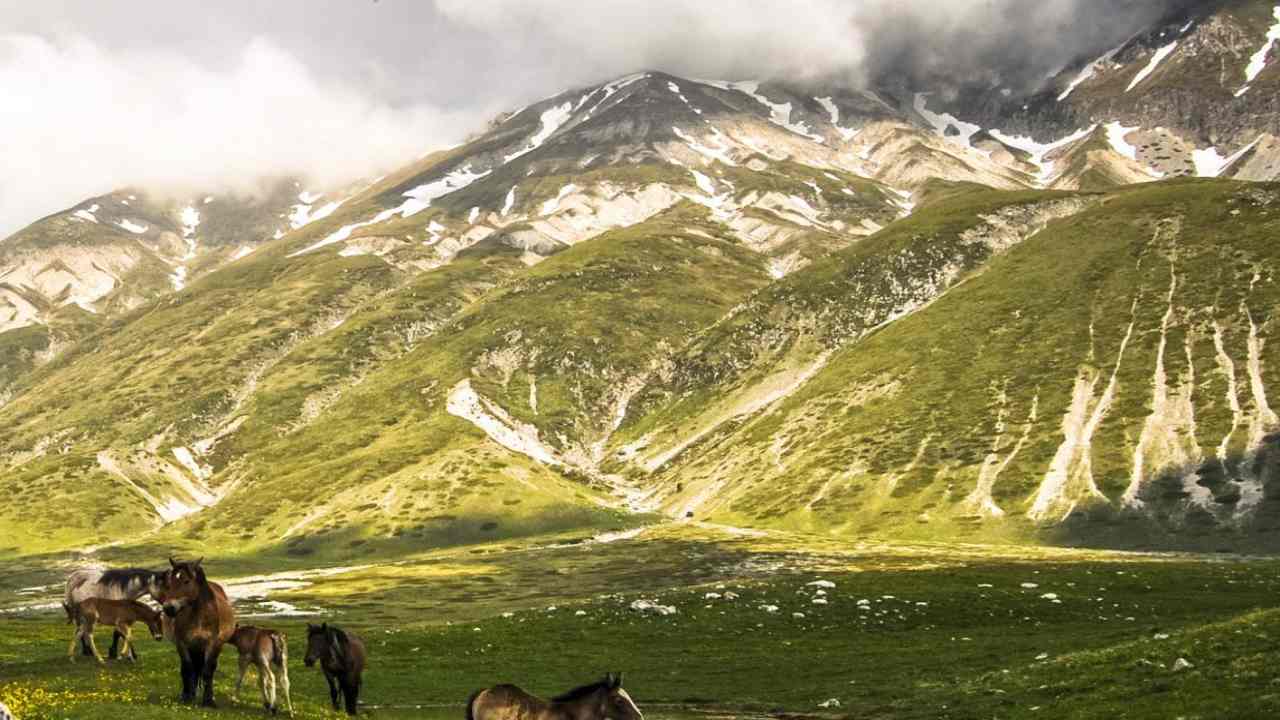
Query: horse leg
[75,638]
[268,684]
[351,691]
[244,670]
[333,690]
[126,648]
[283,675]
[93,646]
[210,667]
[115,650]
[189,674]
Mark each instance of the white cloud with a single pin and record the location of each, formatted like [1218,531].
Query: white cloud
[78,120]
[721,38]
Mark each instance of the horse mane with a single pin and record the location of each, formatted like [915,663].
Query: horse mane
[580,692]
[121,578]
[338,644]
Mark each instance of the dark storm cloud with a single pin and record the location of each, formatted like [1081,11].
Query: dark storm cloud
[199,94]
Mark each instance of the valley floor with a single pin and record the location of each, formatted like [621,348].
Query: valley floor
[762,625]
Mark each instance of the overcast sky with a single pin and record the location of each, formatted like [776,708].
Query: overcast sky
[167,93]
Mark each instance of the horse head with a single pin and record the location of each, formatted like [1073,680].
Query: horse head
[615,703]
[182,585]
[325,643]
[155,623]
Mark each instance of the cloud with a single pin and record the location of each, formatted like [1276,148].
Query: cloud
[853,42]
[77,119]
[798,39]
[181,93]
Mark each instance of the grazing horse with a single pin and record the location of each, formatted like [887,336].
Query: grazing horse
[603,700]
[203,622]
[341,655]
[118,584]
[267,650]
[120,614]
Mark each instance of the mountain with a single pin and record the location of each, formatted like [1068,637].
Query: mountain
[889,312]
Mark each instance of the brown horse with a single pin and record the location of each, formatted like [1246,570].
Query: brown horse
[119,614]
[203,621]
[267,650]
[603,700]
[341,656]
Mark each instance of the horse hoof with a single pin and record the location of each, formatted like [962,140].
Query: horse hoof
[208,704]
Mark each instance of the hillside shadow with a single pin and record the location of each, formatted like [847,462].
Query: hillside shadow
[1228,505]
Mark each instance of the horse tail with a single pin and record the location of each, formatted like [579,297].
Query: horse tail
[279,649]
[73,612]
[471,705]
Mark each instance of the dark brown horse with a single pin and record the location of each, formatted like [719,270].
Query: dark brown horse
[203,622]
[603,700]
[341,656]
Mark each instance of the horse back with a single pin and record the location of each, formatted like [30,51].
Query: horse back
[507,702]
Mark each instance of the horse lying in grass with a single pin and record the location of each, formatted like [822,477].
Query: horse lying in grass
[116,584]
[341,656]
[603,700]
[119,614]
[267,650]
[203,622]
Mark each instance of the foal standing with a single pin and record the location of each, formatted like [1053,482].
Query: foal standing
[119,614]
[341,655]
[267,650]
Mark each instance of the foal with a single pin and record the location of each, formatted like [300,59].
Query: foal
[120,614]
[341,656]
[267,650]
[603,700]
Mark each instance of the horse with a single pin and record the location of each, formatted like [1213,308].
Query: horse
[341,655]
[120,614]
[203,621]
[601,700]
[117,584]
[267,650]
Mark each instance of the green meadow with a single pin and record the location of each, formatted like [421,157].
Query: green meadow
[777,624]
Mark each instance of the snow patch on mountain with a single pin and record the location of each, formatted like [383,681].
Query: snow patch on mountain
[553,204]
[551,120]
[1156,59]
[1039,151]
[721,153]
[943,123]
[87,214]
[132,226]
[1210,164]
[302,214]
[846,134]
[1259,60]
[419,199]
[1116,134]
[779,113]
[190,218]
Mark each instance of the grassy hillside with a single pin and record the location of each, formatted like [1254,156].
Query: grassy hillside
[1128,341]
